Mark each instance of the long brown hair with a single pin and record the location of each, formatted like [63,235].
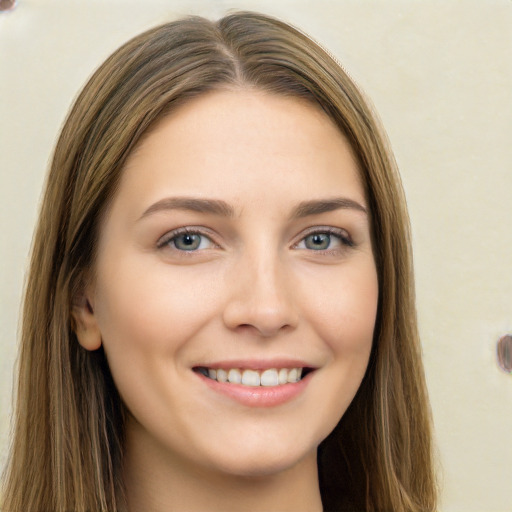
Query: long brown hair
[68,442]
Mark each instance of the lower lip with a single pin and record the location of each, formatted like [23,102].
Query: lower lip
[258,396]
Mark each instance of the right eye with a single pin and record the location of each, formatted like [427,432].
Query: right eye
[189,241]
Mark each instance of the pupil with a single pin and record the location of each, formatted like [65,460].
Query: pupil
[318,241]
[187,242]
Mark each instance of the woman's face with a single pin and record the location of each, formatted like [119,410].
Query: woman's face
[237,247]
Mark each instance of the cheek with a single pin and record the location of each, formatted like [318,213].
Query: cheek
[345,312]
[147,315]
[345,320]
[149,310]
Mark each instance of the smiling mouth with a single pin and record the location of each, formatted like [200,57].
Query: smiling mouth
[255,378]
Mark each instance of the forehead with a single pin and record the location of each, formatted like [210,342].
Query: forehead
[243,142]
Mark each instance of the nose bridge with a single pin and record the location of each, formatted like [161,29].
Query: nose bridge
[262,297]
[268,278]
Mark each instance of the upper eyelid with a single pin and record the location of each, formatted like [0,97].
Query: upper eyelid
[323,229]
[331,230]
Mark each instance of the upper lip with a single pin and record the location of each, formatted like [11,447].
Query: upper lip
[256,364]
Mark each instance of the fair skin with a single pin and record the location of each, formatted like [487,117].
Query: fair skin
[275,271]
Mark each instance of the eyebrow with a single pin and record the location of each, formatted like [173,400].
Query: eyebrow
[315,207]
[213,206]
[223,209]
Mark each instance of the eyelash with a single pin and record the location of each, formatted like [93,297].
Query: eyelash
[343,237]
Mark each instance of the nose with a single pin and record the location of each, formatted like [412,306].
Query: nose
[261,298]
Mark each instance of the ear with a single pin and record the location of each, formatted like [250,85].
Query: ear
[85,324]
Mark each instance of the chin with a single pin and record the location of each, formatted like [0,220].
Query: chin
[264,460]
[259,467]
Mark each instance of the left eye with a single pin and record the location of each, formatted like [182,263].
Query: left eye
[319,241]
[322,241]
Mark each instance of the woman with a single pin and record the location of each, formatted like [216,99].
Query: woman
[220,308]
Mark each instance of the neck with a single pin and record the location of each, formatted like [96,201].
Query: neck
[157,481]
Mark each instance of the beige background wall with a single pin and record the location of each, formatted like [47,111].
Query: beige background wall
[440,75]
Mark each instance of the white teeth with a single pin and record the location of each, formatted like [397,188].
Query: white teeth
[250,378]
[269,378]
[255,378]
[293,375]
[222,375]
[234,376]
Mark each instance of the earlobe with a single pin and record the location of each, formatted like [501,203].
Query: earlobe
[85,324]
